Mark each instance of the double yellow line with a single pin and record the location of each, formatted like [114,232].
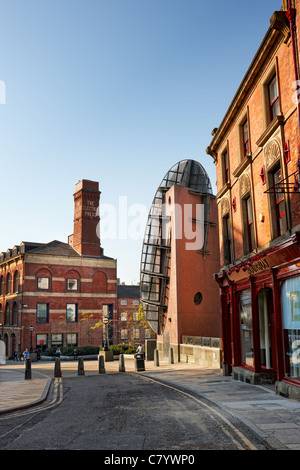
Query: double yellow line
[248,444]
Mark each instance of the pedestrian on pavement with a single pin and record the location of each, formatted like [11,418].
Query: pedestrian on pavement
[38,353]
[26,354]
[140,349]
[58,352]
[75,353]
[15,355]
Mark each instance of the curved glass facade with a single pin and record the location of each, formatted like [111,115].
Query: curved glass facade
[157,244]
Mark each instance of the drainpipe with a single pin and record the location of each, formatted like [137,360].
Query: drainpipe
[291,14]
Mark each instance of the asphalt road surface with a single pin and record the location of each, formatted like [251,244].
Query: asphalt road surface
[122,412]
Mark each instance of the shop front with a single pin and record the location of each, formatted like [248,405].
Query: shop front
[260,304]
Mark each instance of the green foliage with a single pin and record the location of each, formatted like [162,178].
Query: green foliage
[122,349]
[69,351]
[89,350]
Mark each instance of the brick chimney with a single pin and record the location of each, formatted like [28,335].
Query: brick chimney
[85,238]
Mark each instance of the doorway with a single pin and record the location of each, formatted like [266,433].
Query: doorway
[265,315]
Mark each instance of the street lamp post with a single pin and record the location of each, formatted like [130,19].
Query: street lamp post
[31,330]
[105,323]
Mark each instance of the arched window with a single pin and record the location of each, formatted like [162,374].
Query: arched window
[8,280]
[100,282]
[7,314]
[43,277]
[16,281]
[15,314]
[2,285]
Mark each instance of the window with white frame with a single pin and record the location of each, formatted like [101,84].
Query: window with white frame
[72,284]
[71,312]
[43,283]
[124,333]
[135,316]
[136,333]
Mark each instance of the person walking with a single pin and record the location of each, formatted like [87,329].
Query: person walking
[75,352]
[58,352]
[26,354]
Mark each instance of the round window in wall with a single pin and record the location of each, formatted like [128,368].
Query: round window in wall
[198,298]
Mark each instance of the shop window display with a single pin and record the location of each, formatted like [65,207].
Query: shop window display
[290,298]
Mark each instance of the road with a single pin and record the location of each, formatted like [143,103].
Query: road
[122,412]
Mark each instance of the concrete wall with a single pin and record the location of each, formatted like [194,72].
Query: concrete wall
[203,356]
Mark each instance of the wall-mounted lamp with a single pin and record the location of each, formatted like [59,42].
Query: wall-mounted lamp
[286,152]
[234,204]
[263,175]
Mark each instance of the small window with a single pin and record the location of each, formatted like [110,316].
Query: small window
[147,333]
[41,341]
[227,245]
[42,313]
[273,98]
[136,333]
[72,284]
[72,339]
[123,302]
[57,339]
[248,225]
[225,167]
[124,316]
[124,333]
[135,302]
[71,312]
[198,298]
[135,316]
[246,139]
[43,283]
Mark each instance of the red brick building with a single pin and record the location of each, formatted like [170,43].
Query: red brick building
[256,152]
[131,328]
[59,289]
[179,259]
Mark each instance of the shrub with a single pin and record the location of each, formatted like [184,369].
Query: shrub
[68,351]
[122,349]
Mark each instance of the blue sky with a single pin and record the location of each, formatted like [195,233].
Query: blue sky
[115,91]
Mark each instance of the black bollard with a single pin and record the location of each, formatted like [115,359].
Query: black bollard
[121,363]
[171,356]
[101,365]
[57,369]
[156,357]
[80,366]
[27,369]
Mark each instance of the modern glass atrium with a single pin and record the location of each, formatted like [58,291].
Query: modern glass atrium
[154,276]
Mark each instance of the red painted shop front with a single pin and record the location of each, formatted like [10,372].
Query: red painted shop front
[260,304]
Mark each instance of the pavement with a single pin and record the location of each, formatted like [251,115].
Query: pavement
[274,419]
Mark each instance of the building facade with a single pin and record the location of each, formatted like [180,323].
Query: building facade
[131,326]
[53,294]
[256,152]
[179,259]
